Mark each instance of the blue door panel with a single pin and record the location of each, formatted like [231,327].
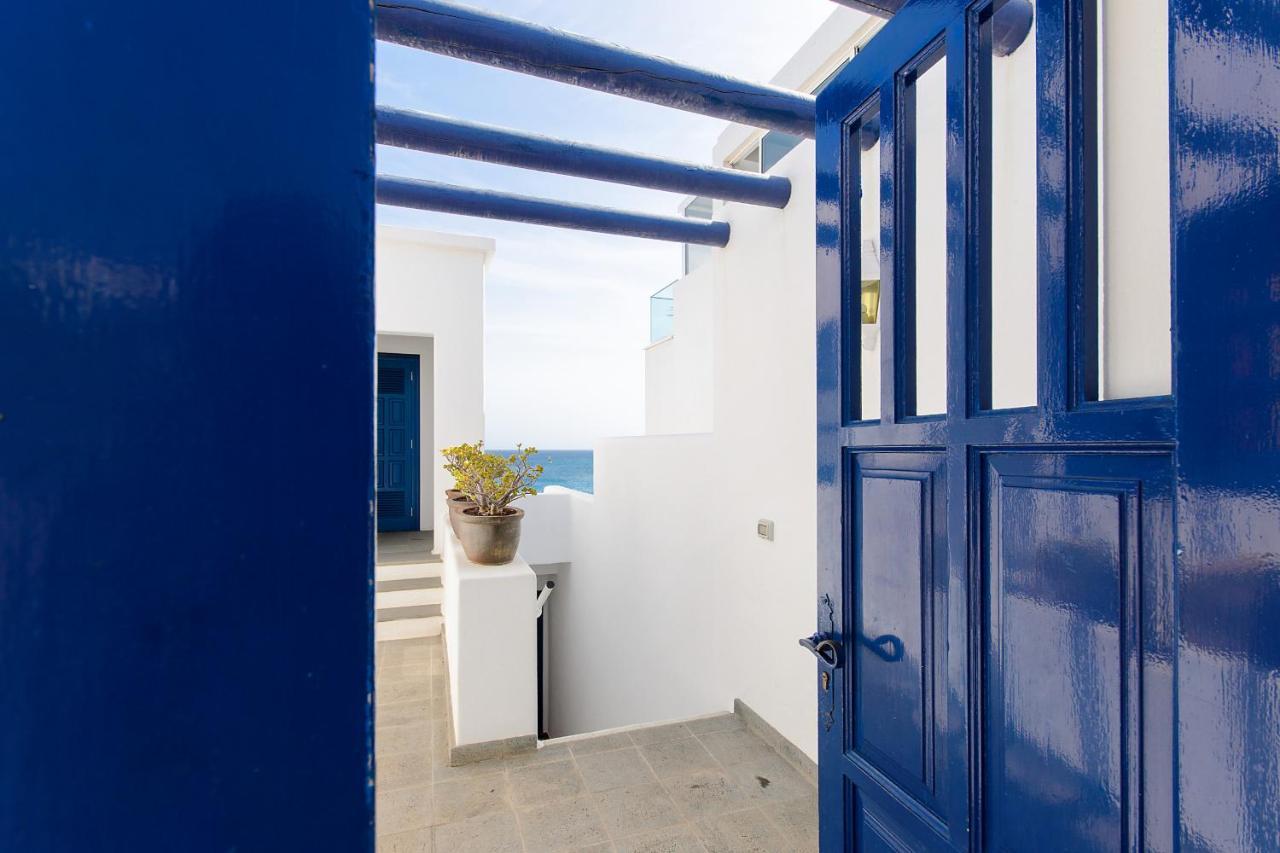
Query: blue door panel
[897,607]
[397,437]
[1065,540]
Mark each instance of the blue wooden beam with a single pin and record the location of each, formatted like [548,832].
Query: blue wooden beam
[448,198]
[478,36]
[456,138]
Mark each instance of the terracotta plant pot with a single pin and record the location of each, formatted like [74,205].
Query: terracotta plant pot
[450,494]
[457,505]
[489,540]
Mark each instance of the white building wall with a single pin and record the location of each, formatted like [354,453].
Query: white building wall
[634,618]
[430,300]
[765,456]
[672,606]
[679,370]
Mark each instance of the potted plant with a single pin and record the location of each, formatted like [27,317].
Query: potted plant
[489,530]
[455,498]
[456,501]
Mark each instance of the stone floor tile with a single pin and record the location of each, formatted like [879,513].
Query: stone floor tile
[413,841]
[463,799]
[742,832]
[440,739]
[541,755]
[414,737]
[407,652]
[704,793]
[403,674]
[567,825]
[770,780]
[402,713]
[444,773]
[545,783]
[403,769]
[403,810]
[603,743]
[674,757]
[494,832]
[635,808]
[718,723]
[798,820]
[658,734]
[736,746]
[404,691]
[673,839]
[615,769]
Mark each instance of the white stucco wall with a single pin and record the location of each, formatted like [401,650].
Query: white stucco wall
[672,606]
[679,370]
[430,300]
[490,617]
[766,454]
[634,617]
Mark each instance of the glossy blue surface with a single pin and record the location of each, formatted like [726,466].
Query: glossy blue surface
[448,198]
[1102,674]
[186,436]
[1226,194]
[396,439]
[457,138]
[480,36]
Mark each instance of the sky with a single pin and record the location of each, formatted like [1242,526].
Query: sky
[567,312]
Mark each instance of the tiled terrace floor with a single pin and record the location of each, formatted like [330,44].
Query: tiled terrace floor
[703,785]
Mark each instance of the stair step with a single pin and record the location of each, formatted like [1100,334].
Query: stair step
[404,629]
[408,598]
[409,583]
[413,611]
[399,559]
[405,571]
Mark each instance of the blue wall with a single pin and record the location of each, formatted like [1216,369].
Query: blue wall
[186,345]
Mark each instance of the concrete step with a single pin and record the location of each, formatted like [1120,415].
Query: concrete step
[408,598]
[404,629]
[407,571]
[409,583]
[416,611]
[399,558]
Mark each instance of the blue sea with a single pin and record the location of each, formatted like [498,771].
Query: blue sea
[573,469]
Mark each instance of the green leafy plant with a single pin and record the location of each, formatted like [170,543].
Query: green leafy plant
[491,480]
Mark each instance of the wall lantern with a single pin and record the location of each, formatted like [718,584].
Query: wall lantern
[870,266]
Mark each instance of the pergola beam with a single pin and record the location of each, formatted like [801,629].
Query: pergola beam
[489,144]
[448,198]
[463,32]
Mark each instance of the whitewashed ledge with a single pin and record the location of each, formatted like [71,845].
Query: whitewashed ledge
[490,628]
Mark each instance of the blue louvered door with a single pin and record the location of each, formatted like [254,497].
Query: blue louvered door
[397,439]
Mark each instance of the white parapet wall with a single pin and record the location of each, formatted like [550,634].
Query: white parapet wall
[490,622]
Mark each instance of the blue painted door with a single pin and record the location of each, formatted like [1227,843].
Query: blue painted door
[397,439]
[1018,647]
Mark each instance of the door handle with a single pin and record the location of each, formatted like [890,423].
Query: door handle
[824,648]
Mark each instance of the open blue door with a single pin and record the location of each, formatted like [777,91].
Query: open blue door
[398,445]
[1019,648]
